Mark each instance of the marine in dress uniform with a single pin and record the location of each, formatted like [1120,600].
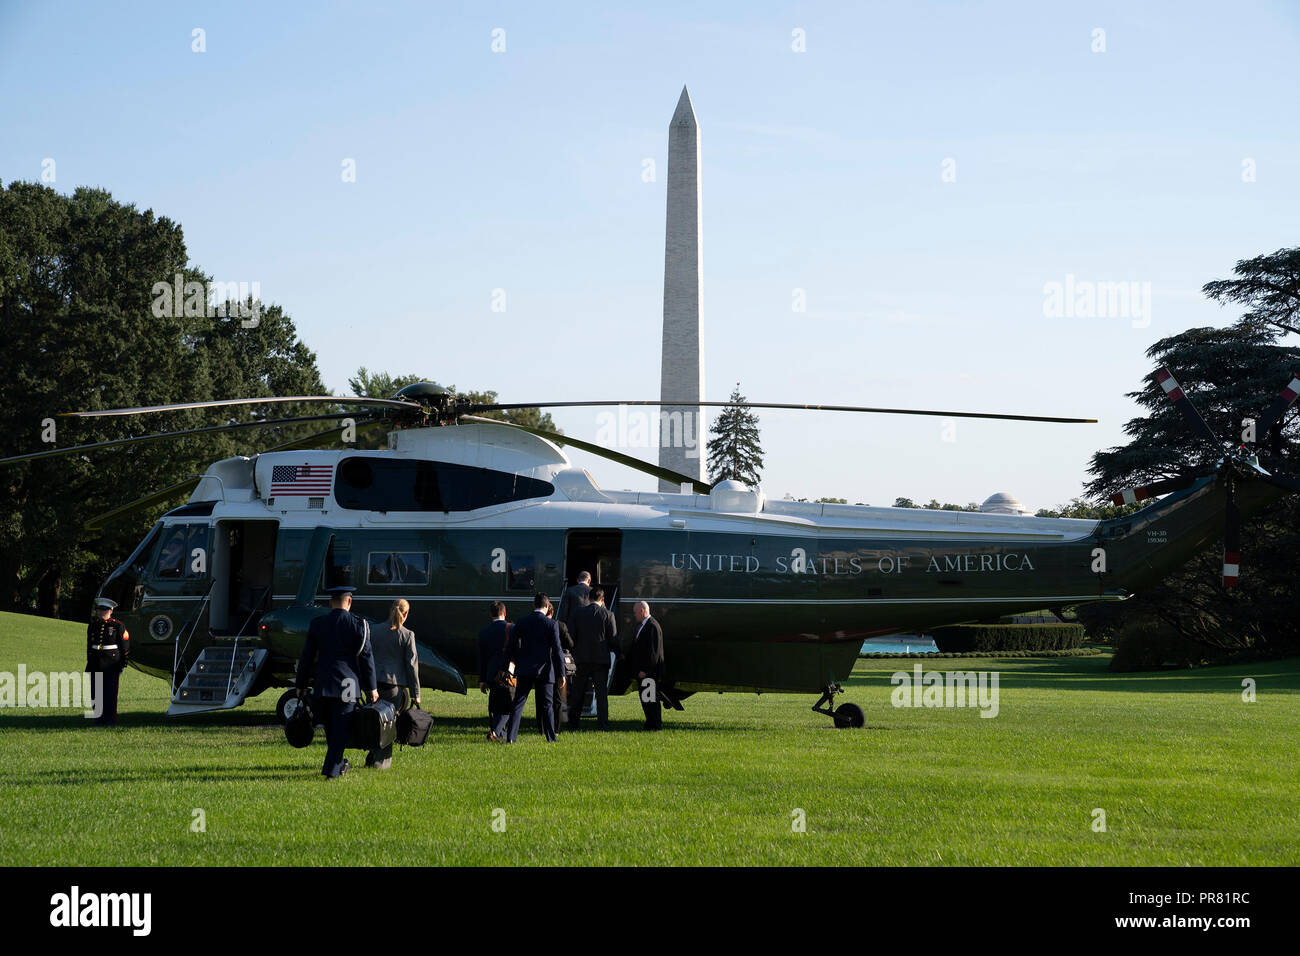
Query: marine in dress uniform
[338,659]
[647,659]
[108,649]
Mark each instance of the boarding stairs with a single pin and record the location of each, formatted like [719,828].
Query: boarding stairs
[223,674]
[220,679]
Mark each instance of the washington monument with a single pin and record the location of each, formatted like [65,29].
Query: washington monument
[681,372]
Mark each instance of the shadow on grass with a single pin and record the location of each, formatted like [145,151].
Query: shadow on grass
[49,720]
[478,726]
[452,726]
[1093,674]
[226,773]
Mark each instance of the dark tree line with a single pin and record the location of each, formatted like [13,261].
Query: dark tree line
[79,308]
[77,278]
[1230,374]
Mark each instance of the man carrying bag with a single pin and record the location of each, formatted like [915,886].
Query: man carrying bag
[338,660]
[493,679]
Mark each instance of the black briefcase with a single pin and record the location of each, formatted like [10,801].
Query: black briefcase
[413,727]
[375,726]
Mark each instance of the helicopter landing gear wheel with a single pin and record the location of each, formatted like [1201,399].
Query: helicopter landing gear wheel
[849,715]
[282,709]
[845,715]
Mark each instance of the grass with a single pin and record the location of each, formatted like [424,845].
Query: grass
[1186,772]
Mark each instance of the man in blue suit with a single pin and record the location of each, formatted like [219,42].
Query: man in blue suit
[338,655]
[491,660]
[534,649]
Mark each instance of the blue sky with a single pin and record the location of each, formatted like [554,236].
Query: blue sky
[822,171]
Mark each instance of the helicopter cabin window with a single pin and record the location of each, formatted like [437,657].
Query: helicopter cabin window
[521,572]
[398,567]
[394,484]
[179,557]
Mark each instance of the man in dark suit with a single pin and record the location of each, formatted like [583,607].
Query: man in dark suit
[573,599]
[534,649]
[337,654]
[491,661]
[647,659]
[594,636]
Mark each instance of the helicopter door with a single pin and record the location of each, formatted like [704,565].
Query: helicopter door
[601,554]
[244,567]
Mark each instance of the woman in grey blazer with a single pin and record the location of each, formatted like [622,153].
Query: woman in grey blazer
[397,670]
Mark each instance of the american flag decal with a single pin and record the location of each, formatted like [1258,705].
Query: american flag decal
[303,480]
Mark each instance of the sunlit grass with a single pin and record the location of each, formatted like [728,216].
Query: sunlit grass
[1185,771]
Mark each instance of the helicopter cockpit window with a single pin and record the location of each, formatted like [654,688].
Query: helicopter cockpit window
[140,559]
[182,546]
[398,567]
[520,576]
[395,484]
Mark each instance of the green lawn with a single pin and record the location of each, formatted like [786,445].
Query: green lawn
[1185,771]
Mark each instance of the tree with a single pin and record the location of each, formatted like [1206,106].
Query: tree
[734,451]
[1268,286]
[1088,510]
[79,308]
[369,384]
[1230,374]
[934,505]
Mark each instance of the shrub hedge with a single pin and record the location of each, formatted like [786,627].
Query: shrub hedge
[962,638]
[1071,652]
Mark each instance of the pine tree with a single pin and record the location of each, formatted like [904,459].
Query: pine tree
[734,451]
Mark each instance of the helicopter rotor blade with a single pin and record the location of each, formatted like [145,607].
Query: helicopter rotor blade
[821,408]
[98,522]
[269,400]
[1166,380]
[1282,481]
[1231,539]
[189,484]
[1272,415]
[1155,489]
[321,439]
[666,474]
[159,436]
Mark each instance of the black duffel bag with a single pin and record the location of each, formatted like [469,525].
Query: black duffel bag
[299,725]
[413,727]
[374,727]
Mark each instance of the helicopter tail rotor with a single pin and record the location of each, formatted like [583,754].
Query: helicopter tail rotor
[1234,466]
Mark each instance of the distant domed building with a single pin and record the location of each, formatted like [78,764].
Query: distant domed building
[1003,504]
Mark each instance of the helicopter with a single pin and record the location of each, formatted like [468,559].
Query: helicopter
[754,595]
